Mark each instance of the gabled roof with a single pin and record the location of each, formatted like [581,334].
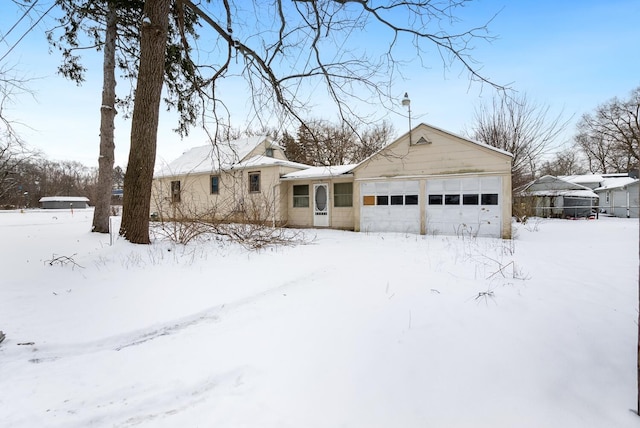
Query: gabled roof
[469,140]
[211,158]
[320,172]
[434,128]
[549,185]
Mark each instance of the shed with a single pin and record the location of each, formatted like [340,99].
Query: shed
[64,202]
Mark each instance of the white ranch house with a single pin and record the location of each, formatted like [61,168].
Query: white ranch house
[428,181]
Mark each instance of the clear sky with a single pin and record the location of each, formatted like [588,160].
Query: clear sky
[569,55]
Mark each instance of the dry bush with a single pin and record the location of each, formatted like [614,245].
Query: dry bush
[255,236]
[251,225]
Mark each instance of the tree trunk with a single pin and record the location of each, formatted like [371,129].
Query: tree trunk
[107,117]
[144,124]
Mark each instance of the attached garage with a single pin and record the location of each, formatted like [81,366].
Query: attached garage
[442,184]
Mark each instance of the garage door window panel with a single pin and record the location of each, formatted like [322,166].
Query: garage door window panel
[411,200]
[452,199]
[382,200]
[397,200]
[435,199]
[470,199]
[489,199]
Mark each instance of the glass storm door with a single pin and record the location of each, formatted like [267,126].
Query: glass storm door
[321,205]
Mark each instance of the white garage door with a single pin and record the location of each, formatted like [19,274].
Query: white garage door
[390,206]
[464,206]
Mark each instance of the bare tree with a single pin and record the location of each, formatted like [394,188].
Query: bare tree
[610,136]
[565,162]
[322,143]
[12,157]
[520,127]
[13,151]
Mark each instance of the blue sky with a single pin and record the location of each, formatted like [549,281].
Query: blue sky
[569,55]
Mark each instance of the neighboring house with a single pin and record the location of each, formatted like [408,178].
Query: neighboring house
[619,197]
[64,202]
[550,196]
[427,181]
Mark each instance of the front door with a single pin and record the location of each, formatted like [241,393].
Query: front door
[321,205]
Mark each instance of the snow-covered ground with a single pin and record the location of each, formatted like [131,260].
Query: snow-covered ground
[348,330]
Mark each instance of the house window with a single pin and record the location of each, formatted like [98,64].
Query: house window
[470,199]
[489,199]
[215,184]
[607,196]
[269,152]
[435,199]
[343,194]
[301,196]
[452,199]
[254,182]
[175,191]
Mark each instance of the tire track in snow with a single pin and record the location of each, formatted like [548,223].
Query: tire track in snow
[148,405]
[50,353]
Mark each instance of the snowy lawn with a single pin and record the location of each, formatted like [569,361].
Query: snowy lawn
[349,330]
